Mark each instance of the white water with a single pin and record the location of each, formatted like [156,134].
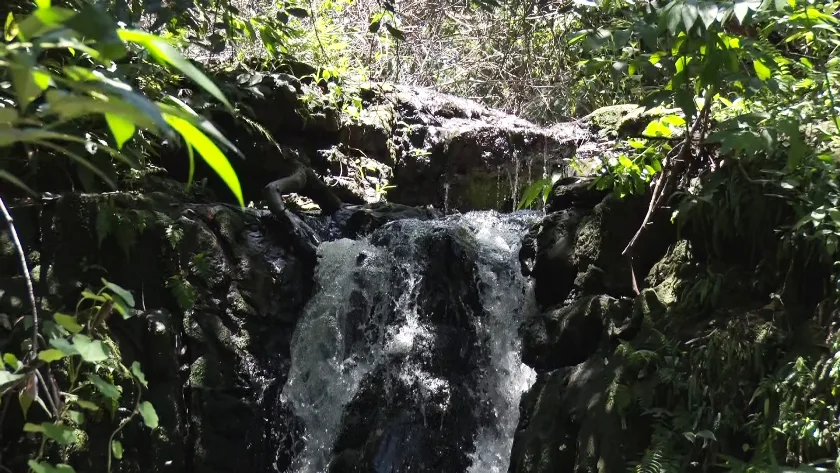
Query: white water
[364,312]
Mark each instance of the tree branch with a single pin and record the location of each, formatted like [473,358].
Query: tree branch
[27,276]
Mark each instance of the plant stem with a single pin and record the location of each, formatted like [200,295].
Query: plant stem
[27,276]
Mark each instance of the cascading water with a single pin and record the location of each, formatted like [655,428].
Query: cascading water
[407,356]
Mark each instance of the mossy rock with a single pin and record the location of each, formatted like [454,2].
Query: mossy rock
[626,119]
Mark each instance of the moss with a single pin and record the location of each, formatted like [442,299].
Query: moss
[626,119]
[611,117]
[483,192]
[198,373]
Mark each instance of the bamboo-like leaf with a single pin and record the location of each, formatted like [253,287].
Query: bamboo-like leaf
[164,52]
[208,150]
[121,129]
[80,160]
[11,178]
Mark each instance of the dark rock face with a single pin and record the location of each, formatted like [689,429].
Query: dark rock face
[569,420]
[210,367]
[416,146]
[354,221]
[569,334]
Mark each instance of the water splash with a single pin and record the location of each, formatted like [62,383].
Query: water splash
[364,315]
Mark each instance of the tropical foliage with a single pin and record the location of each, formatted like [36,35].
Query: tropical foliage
[739,143]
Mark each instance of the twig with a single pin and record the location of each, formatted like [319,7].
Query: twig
[27,276]
[48,392]
[682,151]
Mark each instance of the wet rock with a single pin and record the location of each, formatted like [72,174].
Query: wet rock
[569,334]
[567,422]
[602,236]
[223,288]
[354,221]
[574,192]
[547,256]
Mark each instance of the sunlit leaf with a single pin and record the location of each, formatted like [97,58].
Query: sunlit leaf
[8,378]
[50,355]
[138,373]
[43,20]
[164,52]
[208,150]
[121,129]
[117,449]
[68,322]
[11,29]
[90,350]
[150,417]
[761,69]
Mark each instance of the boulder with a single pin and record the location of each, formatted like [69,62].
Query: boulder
[569,334]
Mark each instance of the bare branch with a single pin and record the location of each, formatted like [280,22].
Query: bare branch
[24,266]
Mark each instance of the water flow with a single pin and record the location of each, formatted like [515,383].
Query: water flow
[365,313]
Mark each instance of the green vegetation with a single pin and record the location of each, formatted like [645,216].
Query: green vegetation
[737,139]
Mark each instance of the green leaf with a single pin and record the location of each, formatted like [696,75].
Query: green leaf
[531,194]
[43,20]
[64,346]
[690,13]
[117,449]
[138,373]
[135,108]
[90,350]
[761,69]
[68,322]
[11,28]
[208,150]
[87,405]
[39,467]
[167,54]
[77,417]
[708,13]
[8,378]
[656,128]
[124,294]
[107,389]
[50,355]
[150,417]
[35,428]
[11,178]
[95,24]
[62,434]
[11,360]
[26,88]
[121,128]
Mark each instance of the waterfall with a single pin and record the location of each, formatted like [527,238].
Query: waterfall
[407,356]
